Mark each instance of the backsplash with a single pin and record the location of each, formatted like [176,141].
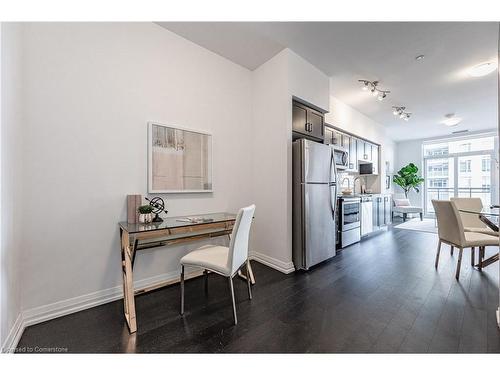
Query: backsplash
[346,179]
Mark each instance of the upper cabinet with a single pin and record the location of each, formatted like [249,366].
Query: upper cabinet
[329,136]
[360,151]
[353,154]
[375,158]
[307,121]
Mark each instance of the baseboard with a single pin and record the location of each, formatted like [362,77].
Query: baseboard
[54,310]
[285,267]
[14,335]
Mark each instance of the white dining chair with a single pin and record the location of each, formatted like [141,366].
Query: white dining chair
[471,221]
[451,231]
[225,261]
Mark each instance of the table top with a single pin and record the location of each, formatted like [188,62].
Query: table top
[487,211]
[178,221]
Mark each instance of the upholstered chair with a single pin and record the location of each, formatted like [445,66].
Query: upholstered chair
[471,221]
[451,231]
[225,261]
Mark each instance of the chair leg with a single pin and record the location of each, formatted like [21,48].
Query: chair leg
[205,272]
[249,283]
[232,296]
[481,257]
[472,255]
[405,215]
[451,250]
[437,254]
[421,216]
[182,290]
[459,263]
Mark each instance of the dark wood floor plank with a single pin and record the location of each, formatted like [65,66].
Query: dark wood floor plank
[382,295]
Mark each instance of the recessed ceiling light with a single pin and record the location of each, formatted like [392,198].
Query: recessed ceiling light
[420,57]
[482,69]
[451,120]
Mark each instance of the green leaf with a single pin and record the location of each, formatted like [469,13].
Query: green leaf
[407,178]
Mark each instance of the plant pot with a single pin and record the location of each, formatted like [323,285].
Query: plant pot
[145,218]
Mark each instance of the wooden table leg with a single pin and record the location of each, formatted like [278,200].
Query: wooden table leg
[128,284]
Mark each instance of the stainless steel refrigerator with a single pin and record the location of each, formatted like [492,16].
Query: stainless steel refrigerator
[314,203]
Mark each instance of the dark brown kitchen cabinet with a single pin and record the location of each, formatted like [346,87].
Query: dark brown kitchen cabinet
[329,134]
[353,155]
[382,207]
[364,151]
[307,121]
[387,209]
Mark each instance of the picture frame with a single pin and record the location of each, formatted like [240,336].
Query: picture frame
[180,160]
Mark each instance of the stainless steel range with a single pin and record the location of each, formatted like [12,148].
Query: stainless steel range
[349,225]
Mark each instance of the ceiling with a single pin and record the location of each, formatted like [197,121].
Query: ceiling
[383,51]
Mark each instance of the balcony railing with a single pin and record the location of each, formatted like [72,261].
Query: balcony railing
[445,193]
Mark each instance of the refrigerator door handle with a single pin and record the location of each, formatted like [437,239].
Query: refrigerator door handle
[333,199]
[333,169]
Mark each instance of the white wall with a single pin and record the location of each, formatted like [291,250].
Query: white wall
[10,182]
[270,240]
[275,83]
[347,118]
[89,91]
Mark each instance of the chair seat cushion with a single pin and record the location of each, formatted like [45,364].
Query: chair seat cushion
[213,258]
[480,239]
[484,230]
[407,209]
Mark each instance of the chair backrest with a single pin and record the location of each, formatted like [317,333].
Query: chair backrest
[450,227]
[474,204]
[238,247]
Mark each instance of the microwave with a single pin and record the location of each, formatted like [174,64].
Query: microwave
[341,157]
[365,168]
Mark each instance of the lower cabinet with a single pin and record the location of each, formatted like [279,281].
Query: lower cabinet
[387,209]
[382,206]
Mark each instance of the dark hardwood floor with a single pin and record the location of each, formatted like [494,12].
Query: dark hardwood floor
[381,295]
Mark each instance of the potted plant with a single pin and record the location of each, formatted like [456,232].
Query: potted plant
[408,178]
[145,214]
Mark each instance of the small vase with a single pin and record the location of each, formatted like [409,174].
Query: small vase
[145,218]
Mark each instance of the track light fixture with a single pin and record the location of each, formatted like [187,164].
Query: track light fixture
[371,86]
[400,111]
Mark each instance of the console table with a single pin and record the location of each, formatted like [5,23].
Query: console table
[171,231]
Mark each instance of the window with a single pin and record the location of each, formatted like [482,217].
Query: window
[459,167]
[435,149]
[486,182]
[485,164]
[438,182]
[465,182]
[465,166]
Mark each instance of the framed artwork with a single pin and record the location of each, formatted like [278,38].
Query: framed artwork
[179,160]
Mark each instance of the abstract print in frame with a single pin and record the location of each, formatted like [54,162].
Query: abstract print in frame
[179,160]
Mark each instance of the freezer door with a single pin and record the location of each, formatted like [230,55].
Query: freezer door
[319,223]
[317,162]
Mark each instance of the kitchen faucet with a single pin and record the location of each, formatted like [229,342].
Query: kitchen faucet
[348,183]
[354,185]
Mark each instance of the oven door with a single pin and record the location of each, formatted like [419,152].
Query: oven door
[350,215]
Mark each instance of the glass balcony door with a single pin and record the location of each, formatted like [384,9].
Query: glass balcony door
[464,168]
[439,181]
